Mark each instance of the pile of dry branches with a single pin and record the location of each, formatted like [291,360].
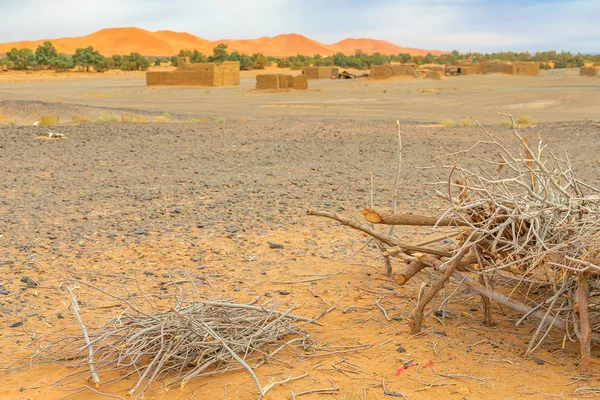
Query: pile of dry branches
[522,220]
[190,339]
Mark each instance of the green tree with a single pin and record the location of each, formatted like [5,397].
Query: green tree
[428,59]
[134,62]
[197,57]
[21,58]
[86,58]
[117,60]
[61,62]
[405,58]
[246,62]
[219,54]
[157,62]
[44,54]
[260,61]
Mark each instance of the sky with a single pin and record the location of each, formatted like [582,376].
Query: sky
[465,25]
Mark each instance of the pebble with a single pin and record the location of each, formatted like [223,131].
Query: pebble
[15,324]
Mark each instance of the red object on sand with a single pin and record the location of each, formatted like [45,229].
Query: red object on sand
[407,366]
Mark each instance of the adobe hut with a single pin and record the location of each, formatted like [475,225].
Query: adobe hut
[526,68]
[300,82]
[510,68]
[590,72]
[281,81]
[188,74]
[462,67]
[267,81]
[320,72]
[393,70]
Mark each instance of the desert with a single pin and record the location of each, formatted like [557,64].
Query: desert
[286,227]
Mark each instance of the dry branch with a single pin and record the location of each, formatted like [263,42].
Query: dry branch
[390,218]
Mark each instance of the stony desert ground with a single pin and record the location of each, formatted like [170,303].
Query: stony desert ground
[130,206]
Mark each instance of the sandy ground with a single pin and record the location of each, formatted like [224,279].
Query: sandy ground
[556,95]
[114,201]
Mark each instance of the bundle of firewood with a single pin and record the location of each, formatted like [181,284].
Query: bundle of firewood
[521,218]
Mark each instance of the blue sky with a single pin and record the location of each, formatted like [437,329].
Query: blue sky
[466,25]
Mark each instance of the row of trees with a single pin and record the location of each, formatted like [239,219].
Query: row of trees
[360,60]
[46,57]
[220,54]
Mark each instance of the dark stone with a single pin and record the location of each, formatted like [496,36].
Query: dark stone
[446,313]
[196,259]
[283,292]
[400,349]
[494,345]
[7,262]
[538,361]
[15,324]
[441,333]
[60,316]
[275,245]
[3,290]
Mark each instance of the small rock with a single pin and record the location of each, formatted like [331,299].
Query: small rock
[494,345]
[60,316]
[231,229]
[400,349]
[440,332]
[32,314]
[15,324]
[3,290]
[7,262]
[167,275]
[29,282]
[196,259]
[148,273]
[52,237]
[446,313]
[283,292]
[538,361]
[275,245]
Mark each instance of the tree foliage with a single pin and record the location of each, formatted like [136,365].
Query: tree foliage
[86,58]
[61,62]
[219,54]
[21,59]
[45,54]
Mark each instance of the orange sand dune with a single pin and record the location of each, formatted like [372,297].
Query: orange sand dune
[165,43]
[370,46]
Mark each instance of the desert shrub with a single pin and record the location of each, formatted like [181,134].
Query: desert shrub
[78,119]
[506,124]
[12,124]
[448,123]
[48,120]
[157,62]
[193,120]
[524,120]
[220,120]
[465,122]
[105,117]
